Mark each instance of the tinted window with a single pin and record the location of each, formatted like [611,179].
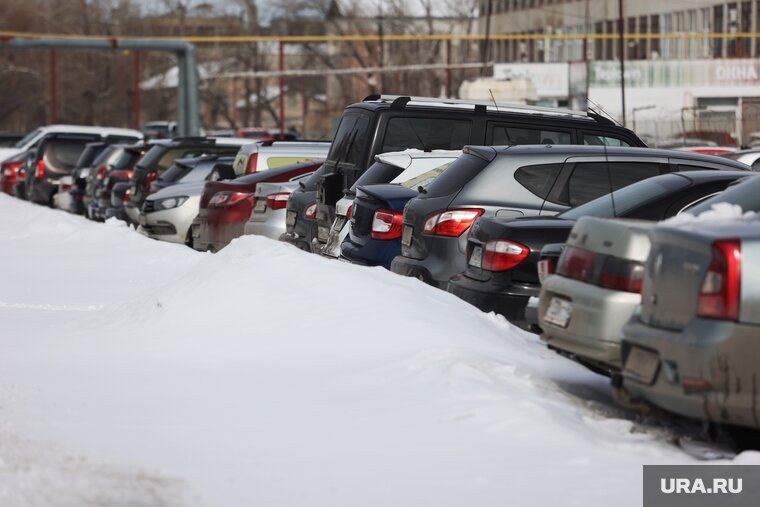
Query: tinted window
[378,173]
[599,140]
[125,160]
[425,179]
[538,178]
[507,135]
[310,184]
[175,172]
[273,162]
[62,154]
[456,176]
[89,154]
[350,140]
[425,134]
[627,199]
[590,180]
[745,194]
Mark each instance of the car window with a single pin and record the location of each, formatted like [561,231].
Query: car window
[273,162]
[590,180]
[456,175]
[600,140]
[511,134]
[425,134]
[745,194]
[350,139]
[425,179]
[379,172]
[538,178]
[622,201]
[175,172]
[62,154]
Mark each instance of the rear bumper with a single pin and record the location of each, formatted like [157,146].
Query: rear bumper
[273,227]
[296,241]
[373,253]
[719,353]
[413,268]
[491,298]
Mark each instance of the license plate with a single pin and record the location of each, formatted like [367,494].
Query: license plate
[143,220]
[559,312]
[290,218]
[543,270]
[641,365]
[406,235]
[476,258]
[261,205]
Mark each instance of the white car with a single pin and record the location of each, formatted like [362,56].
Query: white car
[30,140]
[393,167]
[269,208]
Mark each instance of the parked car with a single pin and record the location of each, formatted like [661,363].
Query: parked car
[115,208]
[374,228]
[225,207]
[168,213]
[751,157]
[162,155]
[77,182]
[118,167]
[11,172]
[54,158]
[269,203]
[301,213]
[692,349]
[509,182]
[382,124]
[191,170]
[159,129]
[264,155]
[502,255]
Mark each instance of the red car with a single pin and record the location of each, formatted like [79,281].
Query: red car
[9,172]
[226,206]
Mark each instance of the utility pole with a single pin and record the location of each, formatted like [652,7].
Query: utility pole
[486,43]
[621,32]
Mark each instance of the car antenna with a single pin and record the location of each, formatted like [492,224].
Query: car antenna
[609,180]
[597,109]
[494,101]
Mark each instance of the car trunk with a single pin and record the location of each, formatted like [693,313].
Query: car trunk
[369,199]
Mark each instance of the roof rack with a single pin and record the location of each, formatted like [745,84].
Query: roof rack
[400,101]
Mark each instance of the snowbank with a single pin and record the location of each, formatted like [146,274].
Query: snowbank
[266,376]
[719,212]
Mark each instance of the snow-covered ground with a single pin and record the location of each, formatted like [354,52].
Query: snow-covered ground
[137,373]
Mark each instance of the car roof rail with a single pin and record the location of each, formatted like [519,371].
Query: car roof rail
[496,106]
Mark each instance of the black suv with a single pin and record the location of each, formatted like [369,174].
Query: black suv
[161,156]
[381,124]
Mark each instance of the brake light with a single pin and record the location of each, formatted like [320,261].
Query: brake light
[311,211]
[125,197]
[40,172]
[101,172]
[350,212]
[386,224]
[546,267]
[576,263]
[621,274]
[10,169]
[451,223]
[252,162]
[278,200]
[503,255]
[227,198]
[719,296]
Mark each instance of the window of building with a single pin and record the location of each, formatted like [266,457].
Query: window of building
[745,25]
[609,44]
[654,44]
[718,27]
[641,49]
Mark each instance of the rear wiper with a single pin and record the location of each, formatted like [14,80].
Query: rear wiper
[424,148]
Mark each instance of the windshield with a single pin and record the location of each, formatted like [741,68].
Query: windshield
[27,138]
[426,178]
[745,194]
[626,198]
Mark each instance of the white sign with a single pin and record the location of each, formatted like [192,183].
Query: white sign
[550,79]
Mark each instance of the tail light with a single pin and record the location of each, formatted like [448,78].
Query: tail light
[503,255]
[253,160]
[451,223]
[125,197]
[576,263]
[278,200]
[102,172]
[719,296]
[386,224]
[350,212]
[11,168]
[221,199]
[40,172]
[621,274]
[311,212]
[546,267]
[65,188]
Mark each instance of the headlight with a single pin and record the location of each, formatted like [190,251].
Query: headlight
[171,202]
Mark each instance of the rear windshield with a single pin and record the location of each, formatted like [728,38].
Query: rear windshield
[457,175]
[622,201]
[310,184]
[125,160]
[378,172]
[89,154]
[63,154]
[159,158]
[176,172]
[425,179]
[105,156]
[746,194]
